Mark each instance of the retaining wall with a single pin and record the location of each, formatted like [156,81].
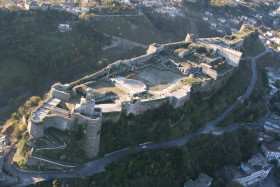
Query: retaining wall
[141,107]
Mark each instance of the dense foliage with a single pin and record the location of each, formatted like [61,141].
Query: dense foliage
[32,39]
[174,166]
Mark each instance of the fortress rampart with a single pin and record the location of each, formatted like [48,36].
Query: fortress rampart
[64,111]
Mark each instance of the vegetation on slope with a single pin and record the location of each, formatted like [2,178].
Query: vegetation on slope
[33,39]
[34,53]
[174,166]
[16,122]
[252,46]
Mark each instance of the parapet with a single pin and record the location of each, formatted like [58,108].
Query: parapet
[60,91]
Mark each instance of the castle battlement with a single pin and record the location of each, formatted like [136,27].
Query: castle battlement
[168,73]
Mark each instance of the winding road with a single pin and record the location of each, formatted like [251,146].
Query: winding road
[30,177]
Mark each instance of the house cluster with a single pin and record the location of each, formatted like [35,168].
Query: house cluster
[258,167]
[219,24]
[273,83]
[268,136]
[271,38]
[247,173]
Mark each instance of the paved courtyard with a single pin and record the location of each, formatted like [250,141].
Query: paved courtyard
[157,75]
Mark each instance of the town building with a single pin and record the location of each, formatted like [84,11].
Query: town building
[272,123]
[249,173]
[32,6]
[63,27]
[271,151]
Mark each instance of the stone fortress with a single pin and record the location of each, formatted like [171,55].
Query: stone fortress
[167,74]
[62,112]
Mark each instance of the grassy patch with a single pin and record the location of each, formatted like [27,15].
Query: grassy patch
[22,154]
[191,81]
[223,68]
[220,3]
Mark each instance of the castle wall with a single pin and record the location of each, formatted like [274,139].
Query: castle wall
[64,96]
[177,102]
[231,58]
[92,138]
[91,77]
[141,107]
[213,85]
[55,121]
[183,44]
[113,116]
[207,69]
[58,122]
[35,129]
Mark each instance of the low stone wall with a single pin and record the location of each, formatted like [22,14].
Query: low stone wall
[88,78]
[183,44]
[62,95]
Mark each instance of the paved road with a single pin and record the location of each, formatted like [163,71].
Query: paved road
[29,177]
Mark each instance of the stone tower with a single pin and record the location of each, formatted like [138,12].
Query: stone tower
[190,37]
[92,139]
[89,94]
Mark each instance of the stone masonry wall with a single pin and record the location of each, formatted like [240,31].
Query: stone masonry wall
[179,102]
[141,107]
[93,130]
[55,121]
[214,85]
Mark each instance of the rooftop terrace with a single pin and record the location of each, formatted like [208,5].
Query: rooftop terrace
[41,112]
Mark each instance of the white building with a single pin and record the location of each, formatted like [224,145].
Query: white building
[32,6]
[245,18]
[202,181]
[205,18]
[271,151]
[254,171]
[272,123]
[222,20]
[213,25]
[64,27]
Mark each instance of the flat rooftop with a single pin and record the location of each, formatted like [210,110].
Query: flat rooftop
[41,112]
[107,108]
